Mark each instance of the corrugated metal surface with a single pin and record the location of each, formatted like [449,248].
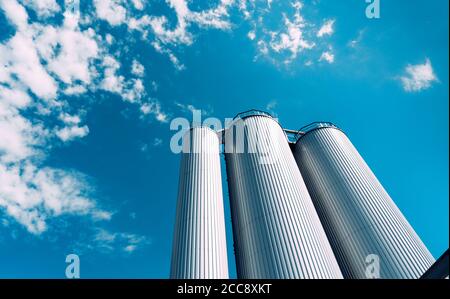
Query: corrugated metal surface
[277,233]
[358,215]
[199,246]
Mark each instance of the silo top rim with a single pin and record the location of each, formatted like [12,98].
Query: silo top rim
[253,112]
[314,126]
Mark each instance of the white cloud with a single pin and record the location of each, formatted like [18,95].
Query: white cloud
[75,90]
[327,56]
[43,8]
[72,132]
[214,18]
[211,18]
[292,39]
[126,242]
[326,29]
[19,136]
[418,77]
[243,7]
[111,81]
[131,90]
[109,38]
[251,35]
[43,66]
[69,54]
[115,13]
[138,4]
[140,24]
[70,119]
[22,60]
[32,195]
[110,10]
[165,35]
[137,68]
[177,35]
[15,13]
[29,192]
[160,49]
[135,91]
[14,96]
[100,215]
[37,51]
[154,108]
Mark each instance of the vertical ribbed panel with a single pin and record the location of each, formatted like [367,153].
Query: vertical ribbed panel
[358,215]
[199,246]
[277,233]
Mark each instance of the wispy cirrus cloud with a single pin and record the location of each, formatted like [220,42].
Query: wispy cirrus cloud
[109,241]
[106,241]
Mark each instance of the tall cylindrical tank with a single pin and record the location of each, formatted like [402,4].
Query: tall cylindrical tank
[370,236]
[277,233]
[199,245]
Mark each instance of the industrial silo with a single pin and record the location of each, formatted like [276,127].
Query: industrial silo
[277,233]
[369,235]
[199,245]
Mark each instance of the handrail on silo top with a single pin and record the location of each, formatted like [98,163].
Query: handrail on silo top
[251,112]
[313,126]
[292,135]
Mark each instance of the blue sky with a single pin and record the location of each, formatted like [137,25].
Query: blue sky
[86,100]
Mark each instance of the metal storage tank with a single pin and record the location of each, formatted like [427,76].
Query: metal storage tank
[277,233]
[363,224]
[199,245]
